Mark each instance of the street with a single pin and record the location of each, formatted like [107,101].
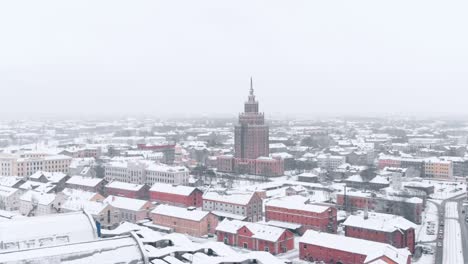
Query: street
[453,232]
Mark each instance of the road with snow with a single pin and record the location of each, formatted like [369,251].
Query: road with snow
[453,250]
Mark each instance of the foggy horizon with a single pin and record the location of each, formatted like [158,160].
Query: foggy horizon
[306,58]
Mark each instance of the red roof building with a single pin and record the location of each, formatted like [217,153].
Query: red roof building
[177,195]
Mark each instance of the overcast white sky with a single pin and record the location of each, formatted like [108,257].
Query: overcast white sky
[178,57]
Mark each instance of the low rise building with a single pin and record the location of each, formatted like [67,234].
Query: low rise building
[248,205]
[385,228]
[177,195]
[86,184]
[254,236]
[185,220]
[129,190]
[330,248]
[131,210]
[9,198]
[300,210]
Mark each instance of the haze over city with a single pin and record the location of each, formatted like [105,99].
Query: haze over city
[196,57]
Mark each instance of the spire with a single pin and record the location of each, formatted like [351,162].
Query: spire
[251,86]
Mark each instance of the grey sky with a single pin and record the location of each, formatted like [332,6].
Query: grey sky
[163,57]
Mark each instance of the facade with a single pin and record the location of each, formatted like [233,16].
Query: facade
[34,203]
[299,210]
[26,164]
[129,190]
[168,150]
[145,172]
[251,144]
[330,162]
[86,184]
[9,198]
[436,168]
[330,248]
[185,220]
[247,205]
[102,212]
[255,236]
[176,195]
[384,228]
[131,210]
[409,208]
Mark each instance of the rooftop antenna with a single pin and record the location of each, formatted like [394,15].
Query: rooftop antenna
[251,86]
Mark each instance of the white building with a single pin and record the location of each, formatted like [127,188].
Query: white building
[26,164]
[34,203]
[329,162]
[131,210]
[9,198]
[145,172]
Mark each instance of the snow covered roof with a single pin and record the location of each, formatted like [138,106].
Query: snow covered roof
[179,212]
[53,177]
[126,203]
[379,180]
[37,186]
[124,186]
[371,249]
[234,198]
[379,222]
[52,229]
[260,231]
[166,168]
[297,202]
[308,175]
[9,181]
[355,178]
[92,207]
[84,181]
[80,194]
[7,191]
[39,197]
[173,189]
[126,249]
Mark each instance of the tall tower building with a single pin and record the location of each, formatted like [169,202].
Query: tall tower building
[251,134]
[251,145]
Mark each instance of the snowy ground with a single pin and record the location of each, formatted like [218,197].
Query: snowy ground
[446,189]
[452,242]
[427,231]
[451,210]
[425,259]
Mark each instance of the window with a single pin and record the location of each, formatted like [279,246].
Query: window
[245,245]
[267,249]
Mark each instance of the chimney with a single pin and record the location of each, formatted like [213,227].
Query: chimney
[366,210]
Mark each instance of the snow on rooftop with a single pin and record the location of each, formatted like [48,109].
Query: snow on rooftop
[173,189]
[39,197]
[84,181]
[260,231]
[297,202]
[9,181]
[125,186]
[7,191]
[112,250]
[53,229]
[367,248]
[233,198]
[179,212]
[126,203]
[380,222]
[54,177]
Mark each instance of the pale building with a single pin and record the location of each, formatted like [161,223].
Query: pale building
[26,164]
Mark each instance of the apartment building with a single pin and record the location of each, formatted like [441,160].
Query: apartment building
[145,172]
[26,164]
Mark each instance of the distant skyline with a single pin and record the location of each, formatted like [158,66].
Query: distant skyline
[194,58]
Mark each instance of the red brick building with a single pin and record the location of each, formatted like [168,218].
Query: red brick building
[330,248]
[129,190]
[409,208]
[255,236]
[384,228]
[297,209]
[177,195]
[185,220]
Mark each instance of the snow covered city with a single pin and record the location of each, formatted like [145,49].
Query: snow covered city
[233,132]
